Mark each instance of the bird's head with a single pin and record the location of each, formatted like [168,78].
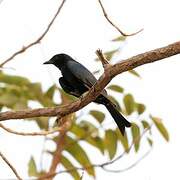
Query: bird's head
[58,60]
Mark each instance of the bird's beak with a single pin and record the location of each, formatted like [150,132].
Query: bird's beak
[48,62]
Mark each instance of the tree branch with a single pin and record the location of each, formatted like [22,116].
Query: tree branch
[110,73]
[11,167]
[38,40]
[116,27]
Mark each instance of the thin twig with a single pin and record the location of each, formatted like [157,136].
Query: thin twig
[129,167]
[116,27]
[10,165]
[42,133]
[102,58]
[38,40]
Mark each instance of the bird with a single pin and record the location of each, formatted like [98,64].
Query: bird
[77,79]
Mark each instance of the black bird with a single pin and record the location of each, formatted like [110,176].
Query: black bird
[76,80]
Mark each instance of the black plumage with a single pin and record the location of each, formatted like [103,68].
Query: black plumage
[77,79]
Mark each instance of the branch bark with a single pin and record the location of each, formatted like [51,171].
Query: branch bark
[109,74]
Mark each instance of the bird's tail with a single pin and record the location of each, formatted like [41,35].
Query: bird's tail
[118,117]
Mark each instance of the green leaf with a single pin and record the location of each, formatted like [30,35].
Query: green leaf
[21,104]
[129,103]
[110,142]
[96,142]
[150,142]
[160,126]
[145,124]
[79,154]
[68,165]
[123,140]
[116,88]
[98,115]
[17,80]
[42,122]
[135,73]
[90,137]
[111,98]
[50,92]
[119,38]
[32,169]
[110,54]
[135,130]
[8,99]
[140,108]
[89,127]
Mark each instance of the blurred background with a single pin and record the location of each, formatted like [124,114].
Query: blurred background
[79,30]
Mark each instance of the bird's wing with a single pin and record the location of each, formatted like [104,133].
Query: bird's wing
[83,74]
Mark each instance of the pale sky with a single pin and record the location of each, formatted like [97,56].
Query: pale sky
[79,30]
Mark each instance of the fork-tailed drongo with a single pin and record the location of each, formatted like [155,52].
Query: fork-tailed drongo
[77,79]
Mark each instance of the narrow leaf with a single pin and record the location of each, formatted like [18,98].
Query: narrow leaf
[12,79]
[32,169]
[136,136]
[90,137]
[150,142]
[79,154]
[115,102]
[145,124]
[129,103]
[50,92]
[123,139]
[140,108]
[111,142]
[120,38]
[116,88]
[97,115]
[68,165]
[160,126]
[135,73]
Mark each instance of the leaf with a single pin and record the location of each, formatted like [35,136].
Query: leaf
[32,169]
[89,127]
[8,99]
[90,137]
[111,98]
[145,124]
[21,104]
[116,88]
[160,126]
[79,154]
[129,103]
[110,54]
[96,142]
[68,165]
[78,130]
[98,115]
[135,73]
[150,142]
[136,136]
[140,108]
[123,140]
[119,38]
[50,92]
[12,79]
[110,142]
[42,122]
